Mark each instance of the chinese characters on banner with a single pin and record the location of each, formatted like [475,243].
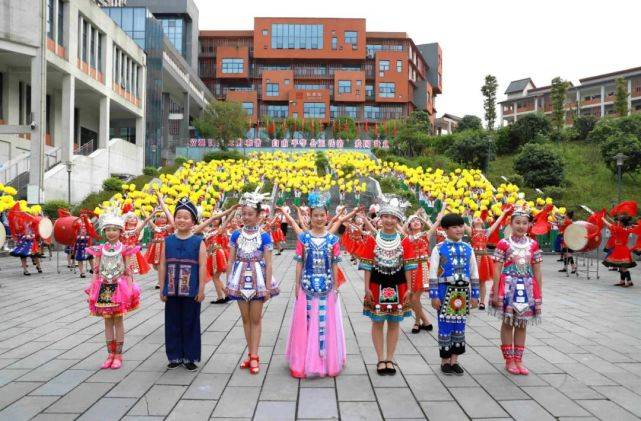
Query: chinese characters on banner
[295,143]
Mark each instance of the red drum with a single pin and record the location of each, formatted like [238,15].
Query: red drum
[64,230]
[582,236]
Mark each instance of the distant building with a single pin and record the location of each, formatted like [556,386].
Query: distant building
[594,95]
[447,124]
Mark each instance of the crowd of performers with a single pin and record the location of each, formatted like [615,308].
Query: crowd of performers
[393,252]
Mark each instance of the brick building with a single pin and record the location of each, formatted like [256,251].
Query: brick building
[320,68]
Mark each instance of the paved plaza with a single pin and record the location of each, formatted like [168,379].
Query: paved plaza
[585,359]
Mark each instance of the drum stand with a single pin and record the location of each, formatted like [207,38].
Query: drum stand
[588,264]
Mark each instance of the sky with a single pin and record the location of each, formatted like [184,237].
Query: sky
[511,39]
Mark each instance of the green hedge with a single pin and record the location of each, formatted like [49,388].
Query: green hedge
[50,207]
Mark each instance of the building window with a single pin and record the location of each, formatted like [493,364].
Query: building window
[265,32]
[387,90]
[309,87]
[399,66]
[92,50]
[344,86]
[369,90]
[61,20]
[277,111]
[334,43]
[383,65]
[233,65]
[351,37]
[248,107]
[272,89]
[295,36]
[50,28]
[286,82]
[372,112]
[314,110]
[173,29]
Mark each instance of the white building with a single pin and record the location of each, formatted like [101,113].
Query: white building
[95,75]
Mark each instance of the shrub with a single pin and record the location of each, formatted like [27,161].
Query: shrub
[440,144]
[152,171]
[526,128]
[112,184]
[471,148]
[92,201]
[627,144]
[436,161]
[222,155]
[584,125]
[469,122]
[570,134]
[539,166]
[605,128]
[630,124]
[50,207]
[169,169]
[180,160]
[516,179]
[503,141]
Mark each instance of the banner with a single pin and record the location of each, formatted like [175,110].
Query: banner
[294,143]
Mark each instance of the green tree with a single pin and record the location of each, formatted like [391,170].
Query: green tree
[224,121]
[489,100]
[472,147]
[527,128]
[621,97]
[627,144]
[469,122]
[539,166]
[584,124]
[558,93]
[344,128]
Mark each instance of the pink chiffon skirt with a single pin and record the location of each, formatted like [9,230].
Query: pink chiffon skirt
[303,350]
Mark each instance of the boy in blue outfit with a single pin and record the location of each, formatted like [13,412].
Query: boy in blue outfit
[454,289]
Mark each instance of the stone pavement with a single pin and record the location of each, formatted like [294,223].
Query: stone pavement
[585,360]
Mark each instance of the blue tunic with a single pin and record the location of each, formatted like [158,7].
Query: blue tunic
[181,258]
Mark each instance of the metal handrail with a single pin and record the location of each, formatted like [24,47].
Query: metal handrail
[86,149]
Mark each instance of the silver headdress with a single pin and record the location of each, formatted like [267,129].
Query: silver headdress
[111,217]
[254,199]
[393,205]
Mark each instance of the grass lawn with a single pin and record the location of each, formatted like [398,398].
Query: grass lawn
[588,181]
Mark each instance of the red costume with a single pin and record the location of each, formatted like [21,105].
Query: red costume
[129,238]
[621,255]
[276,231]
[162,231]
[217,244]
[483,259]
[420,245]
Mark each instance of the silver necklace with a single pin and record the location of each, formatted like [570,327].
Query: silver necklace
[249,242]
[388,253]
[520,253]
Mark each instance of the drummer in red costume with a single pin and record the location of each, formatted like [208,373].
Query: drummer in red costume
[85,233]
[133,228]
[479,240]
[24,229]
[621,255]
[566,252]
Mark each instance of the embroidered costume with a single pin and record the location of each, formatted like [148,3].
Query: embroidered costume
[316,344]
[112,291]
[130,238]
[160,233]
[217,244]
[182,311]
[387,257]
[620,255]
[519,291]
[454,280]
[420,245]
[247,278]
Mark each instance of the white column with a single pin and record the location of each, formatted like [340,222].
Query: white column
[96,40]
[629,96]
[578,102]
[11,109]
[602,100]
[536,104]
[70,27]
[107,59]
[103,124]
[67,123]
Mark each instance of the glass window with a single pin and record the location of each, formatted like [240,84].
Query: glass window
[173,29]
[351,37]
[248,107]
[50,28]
[399,66]
[383,65]
[277,111]
[116,15]
[272,89]
[387,90]
[372,112]
[344,86]
[92,51]
[296,36]
[232,65]
[314,110]
[139,19]
[127,19]
[61,20]
[334,43]
[265,32]
[369,90]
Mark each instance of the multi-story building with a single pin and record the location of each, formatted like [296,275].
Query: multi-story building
[320,68]
[594,95]
[175,93]
[95,76]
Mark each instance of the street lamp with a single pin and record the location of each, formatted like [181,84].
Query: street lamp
[619,159]
[68,164]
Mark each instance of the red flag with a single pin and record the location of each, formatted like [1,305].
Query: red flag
[540,225]
[597,218]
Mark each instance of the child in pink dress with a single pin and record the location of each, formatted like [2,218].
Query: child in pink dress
[112,292]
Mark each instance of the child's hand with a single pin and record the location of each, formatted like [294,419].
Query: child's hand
[436,303]
[474,302]
[201,296]
[163,298]
[369,297]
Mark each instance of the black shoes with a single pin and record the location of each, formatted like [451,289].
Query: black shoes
[382,369]
[26,273]
[157,287]
[447,369]
[171,366]
[429,327]
[563,270]
[457,369]
[191,366]
[220,301]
